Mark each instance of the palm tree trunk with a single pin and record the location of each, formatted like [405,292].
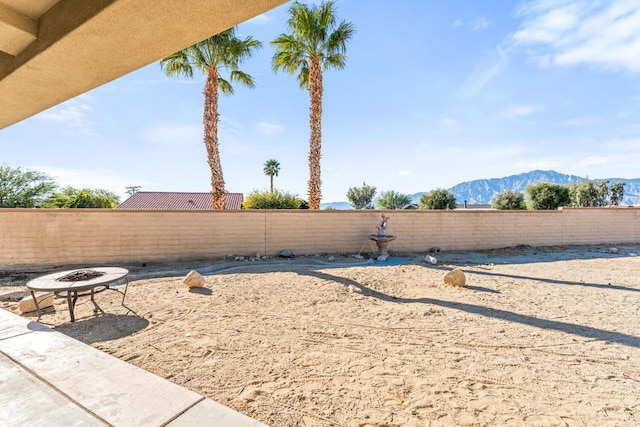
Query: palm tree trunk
[271,179]
[315,140]
[210,120]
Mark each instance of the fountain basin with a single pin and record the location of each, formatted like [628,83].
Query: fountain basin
[381,237]
[382,240]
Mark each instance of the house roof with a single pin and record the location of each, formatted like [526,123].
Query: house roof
[161,200]
[54,50]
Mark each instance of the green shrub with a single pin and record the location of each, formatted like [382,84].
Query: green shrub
[273,200]
[361,197]
[508,201]
[547,196]
[392,200]
[587,193]
[439,198]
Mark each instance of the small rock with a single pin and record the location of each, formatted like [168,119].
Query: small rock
[365,415]
[258,256]
[331,259]
[358,256]
[193,280]
[455,278]
[430,259]
[264,257]
[382,258]
[434,250]
[188,334]
[286,253]
[354,289]
[612,250]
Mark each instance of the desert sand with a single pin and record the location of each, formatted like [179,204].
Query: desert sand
[539,337]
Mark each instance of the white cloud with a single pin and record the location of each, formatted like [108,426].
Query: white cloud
[260,19]
[74,114]
[519,111]
[269,129]
[174,134]
[479,23]
[593,160]
[580,121]
[458,23]
[484,73]
[105,179]
[538,164]
[573,32]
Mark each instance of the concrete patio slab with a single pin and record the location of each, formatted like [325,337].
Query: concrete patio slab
[27,401]
[115,391]
[202,414]
[50,379]
[12,325]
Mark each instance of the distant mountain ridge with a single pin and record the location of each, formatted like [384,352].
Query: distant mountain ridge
[481,191]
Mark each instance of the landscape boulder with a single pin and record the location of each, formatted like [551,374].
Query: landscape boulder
[27,305]
[286,253]
[193,280]
[455,278]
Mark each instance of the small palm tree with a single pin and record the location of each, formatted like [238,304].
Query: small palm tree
[222,51]
[271,169]
[315,42]
[392,200]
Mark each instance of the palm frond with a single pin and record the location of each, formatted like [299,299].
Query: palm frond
[336,61]
[224,86]
[303,77]
[337,41]
[312,33]
[242,77]
[177,64]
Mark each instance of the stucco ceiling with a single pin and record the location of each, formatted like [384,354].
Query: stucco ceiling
[53,50]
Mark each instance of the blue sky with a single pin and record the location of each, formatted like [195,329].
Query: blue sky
[434,93]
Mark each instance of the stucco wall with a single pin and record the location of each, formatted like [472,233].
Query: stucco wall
[54,236]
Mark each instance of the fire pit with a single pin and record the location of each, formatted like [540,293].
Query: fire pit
[76,283]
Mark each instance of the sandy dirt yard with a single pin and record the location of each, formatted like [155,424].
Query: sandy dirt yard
[540,337]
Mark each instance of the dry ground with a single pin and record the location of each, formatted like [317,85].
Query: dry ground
[542,336]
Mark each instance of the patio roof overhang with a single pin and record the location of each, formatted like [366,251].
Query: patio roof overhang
[53,50]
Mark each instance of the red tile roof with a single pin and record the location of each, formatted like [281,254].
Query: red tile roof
[160,200]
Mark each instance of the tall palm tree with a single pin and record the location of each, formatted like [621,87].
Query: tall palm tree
[315,42]
[271,169]
[220,52]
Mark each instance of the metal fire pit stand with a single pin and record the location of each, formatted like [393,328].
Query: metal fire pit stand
[73,290]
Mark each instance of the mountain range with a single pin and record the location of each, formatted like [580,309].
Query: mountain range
[481,191]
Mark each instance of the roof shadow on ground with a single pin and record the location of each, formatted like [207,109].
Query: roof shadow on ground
[569,328]
[558,282]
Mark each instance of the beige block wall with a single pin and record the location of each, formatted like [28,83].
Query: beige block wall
[75,236]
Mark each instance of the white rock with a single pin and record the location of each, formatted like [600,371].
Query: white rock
[331,258]
[193,280]
[354,289]
[430,259]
